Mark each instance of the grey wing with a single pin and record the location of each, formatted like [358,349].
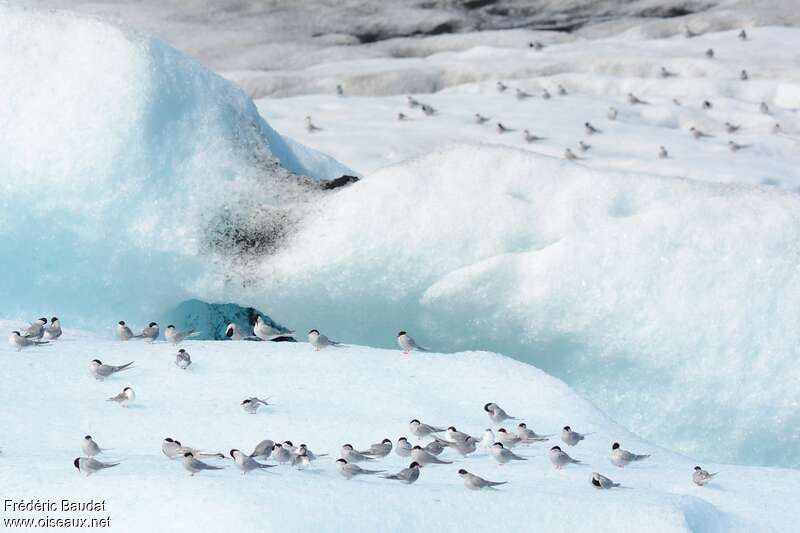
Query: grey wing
[118,368]
[118,398]
[200,465]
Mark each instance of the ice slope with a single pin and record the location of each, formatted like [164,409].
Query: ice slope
[672,303]
[122,162]
[327,399]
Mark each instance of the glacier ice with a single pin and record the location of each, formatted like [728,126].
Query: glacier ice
[129,168]
[672,303]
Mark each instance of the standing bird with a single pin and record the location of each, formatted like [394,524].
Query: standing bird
[764,108]
[776,129]
[528,435]
[701,477]
[352,456]
[536,45]
[545,94]
[435,447]
[561,90]
[732,128]
[408,344]
[503,455]
[20,342]
[90,448]
[173,449]
[263,449]
[281,454]
[412,102]
[464,447]
[743,75]
[622,458]
[529,137]
[308,453]
[706,105]
[666,73]
[423,430]
[53,331]
[235,333]
[508,440]
[611,114]
[150,332]
[265,332]
[401,116]
[570,437]
[584,147]
[735,147]
[101,371]
[124,398]
[403,447]
[310,126]
[36,330]
[183,359]
[473,482]
[429,110]
[246,463]
[501,87]
[195,465]
[480,119]
[174,336]
[426,458]
[380,450]
[590,130]
[320,341]
[570,155]
[350,471]
[454,434]
[742,35]
[662,153]
[634,100]
[89,466]
[710,53]
[496,413]
[124,333]
[251,405]
[602,482]
[339,90]
[301,459]
[503,129]
[697,134]
[560,459]
[521,95]
[407,475]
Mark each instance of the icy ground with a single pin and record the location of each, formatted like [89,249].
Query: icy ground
[666,291]
[325,399]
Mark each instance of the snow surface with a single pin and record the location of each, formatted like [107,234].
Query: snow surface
[352,395]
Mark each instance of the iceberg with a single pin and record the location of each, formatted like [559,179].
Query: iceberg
[129,168]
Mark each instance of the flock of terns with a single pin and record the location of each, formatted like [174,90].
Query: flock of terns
[612,113]
[498,444]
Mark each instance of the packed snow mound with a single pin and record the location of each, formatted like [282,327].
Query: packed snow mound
[672,303]
[126,166]
[326,399]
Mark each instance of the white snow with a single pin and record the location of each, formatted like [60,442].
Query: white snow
[325,399]
[663,290]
